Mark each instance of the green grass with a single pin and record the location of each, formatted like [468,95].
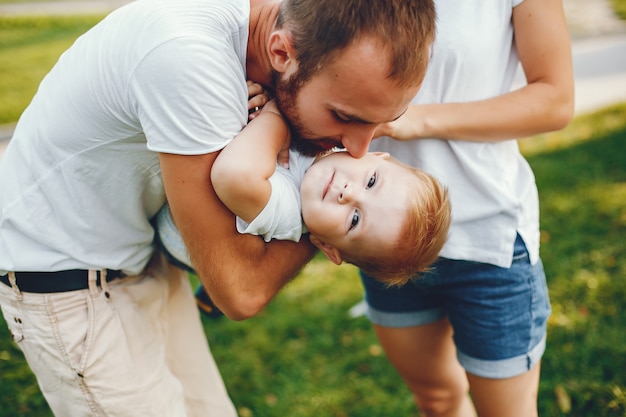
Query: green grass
[583,194]
[29,47]
[619,6]
[303,356]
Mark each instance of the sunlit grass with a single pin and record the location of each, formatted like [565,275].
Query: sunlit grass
[583,194]
[29,47]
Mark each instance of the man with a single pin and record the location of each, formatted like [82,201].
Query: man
[137,110]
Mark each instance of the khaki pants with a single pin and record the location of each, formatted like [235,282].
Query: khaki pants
[141,351]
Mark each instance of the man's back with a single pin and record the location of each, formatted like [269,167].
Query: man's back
[81,178]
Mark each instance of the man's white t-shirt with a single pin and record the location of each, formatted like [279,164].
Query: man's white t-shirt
[280,218]
[491,186]
[80,180]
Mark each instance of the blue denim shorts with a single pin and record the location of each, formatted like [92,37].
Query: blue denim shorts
[498,314]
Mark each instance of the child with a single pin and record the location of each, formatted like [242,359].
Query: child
[385,217]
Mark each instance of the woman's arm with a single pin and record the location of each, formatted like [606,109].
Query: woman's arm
[241,172]
[546,103]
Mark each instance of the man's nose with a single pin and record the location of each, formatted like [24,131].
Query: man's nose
[357,139]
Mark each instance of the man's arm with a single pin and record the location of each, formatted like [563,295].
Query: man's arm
[241,272]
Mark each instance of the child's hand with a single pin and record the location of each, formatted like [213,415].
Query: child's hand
[257,97]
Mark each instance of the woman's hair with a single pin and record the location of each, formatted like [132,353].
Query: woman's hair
[423,234]
[321,29]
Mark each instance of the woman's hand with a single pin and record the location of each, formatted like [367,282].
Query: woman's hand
[411,125]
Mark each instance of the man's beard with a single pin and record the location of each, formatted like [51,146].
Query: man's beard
[286,93]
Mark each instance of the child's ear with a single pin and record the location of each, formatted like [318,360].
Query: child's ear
[331,252]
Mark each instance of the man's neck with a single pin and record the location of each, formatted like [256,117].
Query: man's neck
[263,15]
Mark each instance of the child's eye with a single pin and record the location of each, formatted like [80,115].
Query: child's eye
[355,219]
[371,181]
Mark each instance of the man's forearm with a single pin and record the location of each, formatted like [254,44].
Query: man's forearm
[242,286]
[241,272]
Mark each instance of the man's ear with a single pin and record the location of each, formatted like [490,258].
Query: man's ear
[281,53]
[331,252]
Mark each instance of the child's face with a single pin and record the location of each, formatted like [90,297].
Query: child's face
[355,205]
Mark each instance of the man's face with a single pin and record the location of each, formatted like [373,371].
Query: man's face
[356,205]
[343,102]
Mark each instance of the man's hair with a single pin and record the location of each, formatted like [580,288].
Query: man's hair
[423,234]
[321,29]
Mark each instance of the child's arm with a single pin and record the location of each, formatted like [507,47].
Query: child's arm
[240,174]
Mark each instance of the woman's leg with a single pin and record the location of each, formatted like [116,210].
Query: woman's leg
[425,357]
[511,397]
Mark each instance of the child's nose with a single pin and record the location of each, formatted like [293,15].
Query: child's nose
[345,194]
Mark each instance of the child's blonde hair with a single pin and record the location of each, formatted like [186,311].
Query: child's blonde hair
[423,234]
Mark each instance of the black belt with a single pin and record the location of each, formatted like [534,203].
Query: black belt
[59,281]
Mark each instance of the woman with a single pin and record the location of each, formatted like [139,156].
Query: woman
[477,322]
